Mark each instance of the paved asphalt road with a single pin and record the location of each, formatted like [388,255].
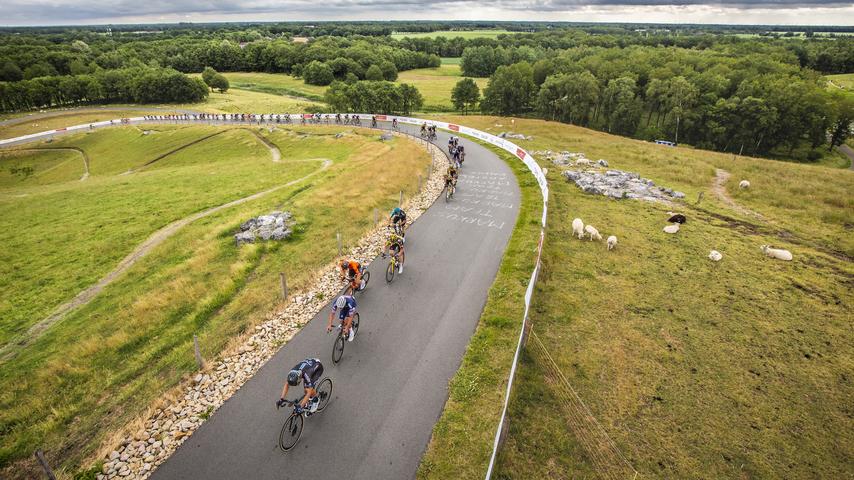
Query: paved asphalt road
[391,385]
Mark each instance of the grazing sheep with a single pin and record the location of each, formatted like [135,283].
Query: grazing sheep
[671,228]
[744,184]
[677,218]
[612,242]
[715,256]
[578,228]
[777,253]
[594,234]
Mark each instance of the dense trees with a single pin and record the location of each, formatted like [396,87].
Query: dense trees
[465,95]
[730,100]
[373,97]
[135,85]
[318,73]
[215,80]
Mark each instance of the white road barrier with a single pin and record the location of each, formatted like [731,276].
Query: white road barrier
[502,143]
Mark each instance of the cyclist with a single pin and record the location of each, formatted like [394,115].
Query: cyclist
[451,177]
[397,219]
[423,129]
[373,121]
[394,246]
[345,305]
[394,123]
[462,150]
[352,272]
[309,370]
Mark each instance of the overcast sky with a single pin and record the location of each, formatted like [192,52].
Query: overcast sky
[64,12]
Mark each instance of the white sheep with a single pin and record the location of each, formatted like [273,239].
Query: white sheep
[612,242]
[578,228]
[673,228]
[715,256]
[777,253]
[594,234]
[744,184]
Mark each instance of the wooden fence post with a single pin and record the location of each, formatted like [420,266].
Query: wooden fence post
[45,466]
[338,237]
[284,282]
[419,182]
[400,202]
[200,362]
[376,217]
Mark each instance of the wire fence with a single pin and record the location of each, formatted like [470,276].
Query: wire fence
[608,461]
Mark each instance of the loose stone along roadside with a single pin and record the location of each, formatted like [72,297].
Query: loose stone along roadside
[165,427]
[595,178]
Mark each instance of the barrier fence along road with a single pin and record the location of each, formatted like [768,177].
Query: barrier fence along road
[502,143]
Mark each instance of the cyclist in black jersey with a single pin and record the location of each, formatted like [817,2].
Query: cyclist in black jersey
[309,371]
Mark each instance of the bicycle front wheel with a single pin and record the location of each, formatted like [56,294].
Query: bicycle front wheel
[389,272]
[324,391]
[338,348]
[291,431]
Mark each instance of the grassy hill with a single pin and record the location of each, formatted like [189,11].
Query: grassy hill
[695,369]
[107,361]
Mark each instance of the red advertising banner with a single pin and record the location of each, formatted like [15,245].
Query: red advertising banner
[520,153]
[381,118]
[453,127]
[307,115]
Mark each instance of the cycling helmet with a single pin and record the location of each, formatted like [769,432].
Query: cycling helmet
[293,378]
[396,211]
[341,302]
[344,264]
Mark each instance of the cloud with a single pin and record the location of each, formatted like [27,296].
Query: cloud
[34,12]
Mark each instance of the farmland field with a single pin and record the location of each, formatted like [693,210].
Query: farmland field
[694,369]
[436,84]
[104,362]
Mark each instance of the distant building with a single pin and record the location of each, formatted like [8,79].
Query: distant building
[665,142]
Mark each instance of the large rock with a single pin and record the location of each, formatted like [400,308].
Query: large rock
[273,226]
[618,184]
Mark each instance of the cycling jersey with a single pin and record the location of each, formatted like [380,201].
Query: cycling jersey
[310,370]
[398,215]
[353,268]
[348,309]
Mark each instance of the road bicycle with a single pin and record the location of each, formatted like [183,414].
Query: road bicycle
[340,340]
[393,264]
[366,277]
[450,189]
[292,429]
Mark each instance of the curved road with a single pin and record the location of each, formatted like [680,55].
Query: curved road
[391,385]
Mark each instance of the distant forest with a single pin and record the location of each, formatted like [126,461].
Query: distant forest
[750,89]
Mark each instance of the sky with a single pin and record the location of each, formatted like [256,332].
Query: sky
[74,12]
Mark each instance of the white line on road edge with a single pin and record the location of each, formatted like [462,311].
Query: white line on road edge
[502,143]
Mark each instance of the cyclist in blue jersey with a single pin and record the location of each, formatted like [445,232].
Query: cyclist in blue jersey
[309,371]
[345,306]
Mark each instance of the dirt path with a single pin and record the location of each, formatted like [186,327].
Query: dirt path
[158,237]
[848,152]
[274,150]
[64,149]
[719,190]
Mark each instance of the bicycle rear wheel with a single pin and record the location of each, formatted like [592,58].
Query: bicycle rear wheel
[338,347]
[389,271]
[355,324]
[366,277]
[324,391]
[291,431]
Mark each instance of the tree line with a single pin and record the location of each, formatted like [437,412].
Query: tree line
[372,96]
[727,100]
[130,85]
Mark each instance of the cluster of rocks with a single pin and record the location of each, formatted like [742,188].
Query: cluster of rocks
[158,435]
[275,226]
[385,137]
[569,159]
[517,136]
[619,184]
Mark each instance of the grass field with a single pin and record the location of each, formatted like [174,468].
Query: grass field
[844,81]
[107,361]
[451,60]
[436,84]
[695,369]
[467,34]
[275,84]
